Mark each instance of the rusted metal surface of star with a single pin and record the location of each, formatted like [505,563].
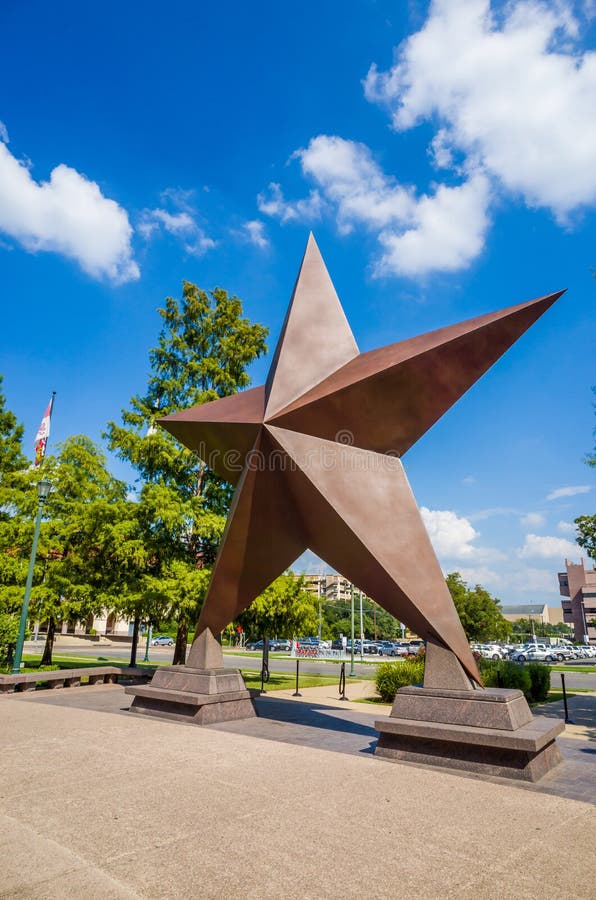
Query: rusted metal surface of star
[315,457]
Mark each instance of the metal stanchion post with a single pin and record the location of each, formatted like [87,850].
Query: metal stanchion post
[342,682]
[265,663]
[297,692]
[567,719]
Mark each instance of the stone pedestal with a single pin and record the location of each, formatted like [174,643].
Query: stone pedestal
[202,692]
[490,731]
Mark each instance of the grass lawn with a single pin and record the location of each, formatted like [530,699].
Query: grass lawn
[579,669]
[278,681]
[79,662]
[285,681]
[555,695]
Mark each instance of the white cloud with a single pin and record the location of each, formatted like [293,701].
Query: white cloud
[254,233]
[514,96]
[566,527]
[480,575]
[417,233]
[547,547]
[491,511]
[570,491]
[275,205]
[181,222]
[4,133]
[174,223]
[350,178]
[532,520]
[451,535]
[531,580]
[67,215]
[447,234]
[469,479]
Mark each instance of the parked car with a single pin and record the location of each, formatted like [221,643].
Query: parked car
[561,652]
[284,645]
[254,645]
[162,640]
[534,653]
[393,648]
[492,651]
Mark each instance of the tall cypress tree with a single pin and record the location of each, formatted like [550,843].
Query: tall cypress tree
[12,525]
[205,347]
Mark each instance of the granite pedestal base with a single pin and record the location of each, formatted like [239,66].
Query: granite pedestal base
[199,696]
[202,693]
[489,731]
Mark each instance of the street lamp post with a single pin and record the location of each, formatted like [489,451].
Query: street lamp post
[43,489]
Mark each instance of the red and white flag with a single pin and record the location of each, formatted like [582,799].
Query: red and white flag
[41,438]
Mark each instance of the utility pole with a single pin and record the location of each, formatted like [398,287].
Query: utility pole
[319,596]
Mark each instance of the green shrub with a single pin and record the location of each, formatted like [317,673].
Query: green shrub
[9,630]
[507,674]
[92,631]
[393,675]
[540,682]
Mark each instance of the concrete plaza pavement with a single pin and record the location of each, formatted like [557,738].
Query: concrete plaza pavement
[96,802]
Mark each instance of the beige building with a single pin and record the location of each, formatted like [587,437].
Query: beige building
[539,613]
[328,587]
[579,585]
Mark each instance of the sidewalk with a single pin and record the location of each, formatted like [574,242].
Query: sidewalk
[582,707]
[97,803]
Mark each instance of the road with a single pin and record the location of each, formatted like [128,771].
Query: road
[574,678]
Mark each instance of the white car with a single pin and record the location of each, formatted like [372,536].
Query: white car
[534,653]
[492,651]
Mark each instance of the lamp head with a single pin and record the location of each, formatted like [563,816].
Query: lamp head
[43,489]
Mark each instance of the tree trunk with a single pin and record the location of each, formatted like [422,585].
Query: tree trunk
[46,659]
[181,639]
[135,642]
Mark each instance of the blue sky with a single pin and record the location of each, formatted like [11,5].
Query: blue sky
[444,156]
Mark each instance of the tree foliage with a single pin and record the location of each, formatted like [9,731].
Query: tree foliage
[11,439]
[14,532]
[586,534]
[204,349]
[480,614]
[586,525]
[284,610]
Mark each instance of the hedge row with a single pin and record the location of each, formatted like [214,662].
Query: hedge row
[533,679]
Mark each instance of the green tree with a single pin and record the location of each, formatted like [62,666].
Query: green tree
[11,440]
[204,349]
[70,582]
[586,534]
[586,525]
[284,610]
[480,614]
[14,528]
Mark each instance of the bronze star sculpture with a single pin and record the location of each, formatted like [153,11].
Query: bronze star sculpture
[315,457]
